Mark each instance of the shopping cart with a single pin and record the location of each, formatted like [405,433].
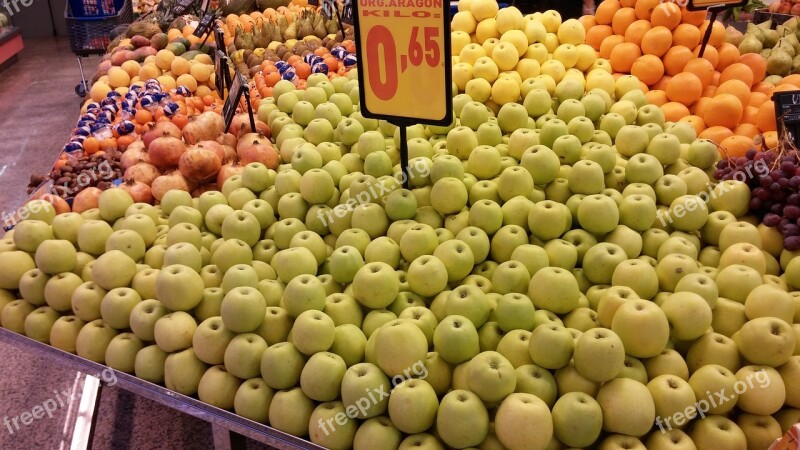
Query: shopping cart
[91,25]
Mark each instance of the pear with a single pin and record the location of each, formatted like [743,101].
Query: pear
[770,38]
[733,36]
[306,28]
[261,38]
[796,64]
[332,26]
[792,39]
[750,44]
[765,25]
[779,63]
[283,24]
[275,33]
[766,52]
[755,31]
[237,39]
[791,24]
[786,46]
[319,30]
[291,32]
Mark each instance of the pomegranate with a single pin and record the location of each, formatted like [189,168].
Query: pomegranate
[199,164]
[168,182]
[166,151]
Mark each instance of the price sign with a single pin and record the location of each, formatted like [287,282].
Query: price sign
[700,5]
[204,25]
[403,51]
[347,12]
[787,112]
[328,8]
[223,74]
[239,88]
[219,38]
[181,6]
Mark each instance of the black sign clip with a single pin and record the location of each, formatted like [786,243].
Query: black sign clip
[238,88]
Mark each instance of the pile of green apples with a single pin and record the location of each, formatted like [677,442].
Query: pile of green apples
[552,278]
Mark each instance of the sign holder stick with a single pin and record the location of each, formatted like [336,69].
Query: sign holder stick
[714,10]
[403,125]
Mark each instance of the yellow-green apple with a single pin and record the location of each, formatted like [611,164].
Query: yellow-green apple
[413,406]
[514,419]
[59,289]
[456,339]
[252,400]
[149,364]
[551,346]
[577,419]
[244,354]
[92,340]
[281,365]
[117,306]
[290,411]
[462,419]
[766,340]
[628,407]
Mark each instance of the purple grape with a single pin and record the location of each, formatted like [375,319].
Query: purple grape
[771,220]
[792,243]
[755,203]
[793,199]
[791,212]
[775,175]
[790,230]
[750,154]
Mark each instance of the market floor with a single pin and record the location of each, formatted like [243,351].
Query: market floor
[38,108]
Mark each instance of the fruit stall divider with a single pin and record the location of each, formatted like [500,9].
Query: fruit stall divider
[229,429]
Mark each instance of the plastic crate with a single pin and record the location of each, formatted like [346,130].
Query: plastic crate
[95,8]
[92,35]
[762,15]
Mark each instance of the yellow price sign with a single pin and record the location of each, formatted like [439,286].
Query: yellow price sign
[699,5]
[403,49]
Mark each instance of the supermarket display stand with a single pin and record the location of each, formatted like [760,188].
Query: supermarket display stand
[229,430]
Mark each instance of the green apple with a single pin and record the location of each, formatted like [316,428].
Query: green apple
[627,406]
[598,214]
[515,419]
[149,364]
[313,331]
[542,163]
[290,412]
[554,289]
[218,387]
[462,420]
[601,261]
[715,431]
[460,141]
[121,352]
[174,332]
[672,268]
[252,400]
[760,430]
[282,365]
[635,315]
[179,287]
[56,256]
[365,388]
[640,276]
[377,433]
[59,290]
[377,274]
[599,355]
[491,376]
[413,405]
[113,269]
[92,341]
[39,323]
[713,348]
[322,375]
[243,355]
[399,345]
[64,333]
[32,285]
[577,419]
[117,306]
[766,340]
[689,315]
[456,339]
[672,396]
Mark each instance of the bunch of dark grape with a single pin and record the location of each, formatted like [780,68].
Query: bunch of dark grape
[774,180]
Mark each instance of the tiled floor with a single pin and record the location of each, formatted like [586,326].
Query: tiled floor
[38,108]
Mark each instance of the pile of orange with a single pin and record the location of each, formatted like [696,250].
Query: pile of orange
[722,94]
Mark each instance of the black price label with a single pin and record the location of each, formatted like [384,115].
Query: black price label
[347,12]
[313,2]
[222,72]
[238,88]
[787,106]
[219,38]
[204,25]
[181,6]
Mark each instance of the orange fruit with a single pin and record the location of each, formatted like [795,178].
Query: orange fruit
[702,68]
[605,11]
[736,87]
[608,44]
[717,33]
[673,111]
[644,88]
[695,18]
[666,15]
[710,91]
[728,54]
[686,35]
[623,56]
[636,31]
[597,34]
[696,122]
[627,3]
[746,129]
[675,59]
[716,134]
[710,54]
[644,8]
[656,41]
[770,139]
[785,87]
[622,19]
[656,97]
[756,63]
[588,21]
[765,118]
[661,85]
[684,88]
[736,146]
[724,110]
[790,79]
[648,69]
[699,107]
[750,115]
[757,98]
[765,87]
[737,71]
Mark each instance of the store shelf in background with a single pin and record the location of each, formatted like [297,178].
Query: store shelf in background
[10,46]
[219,419]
